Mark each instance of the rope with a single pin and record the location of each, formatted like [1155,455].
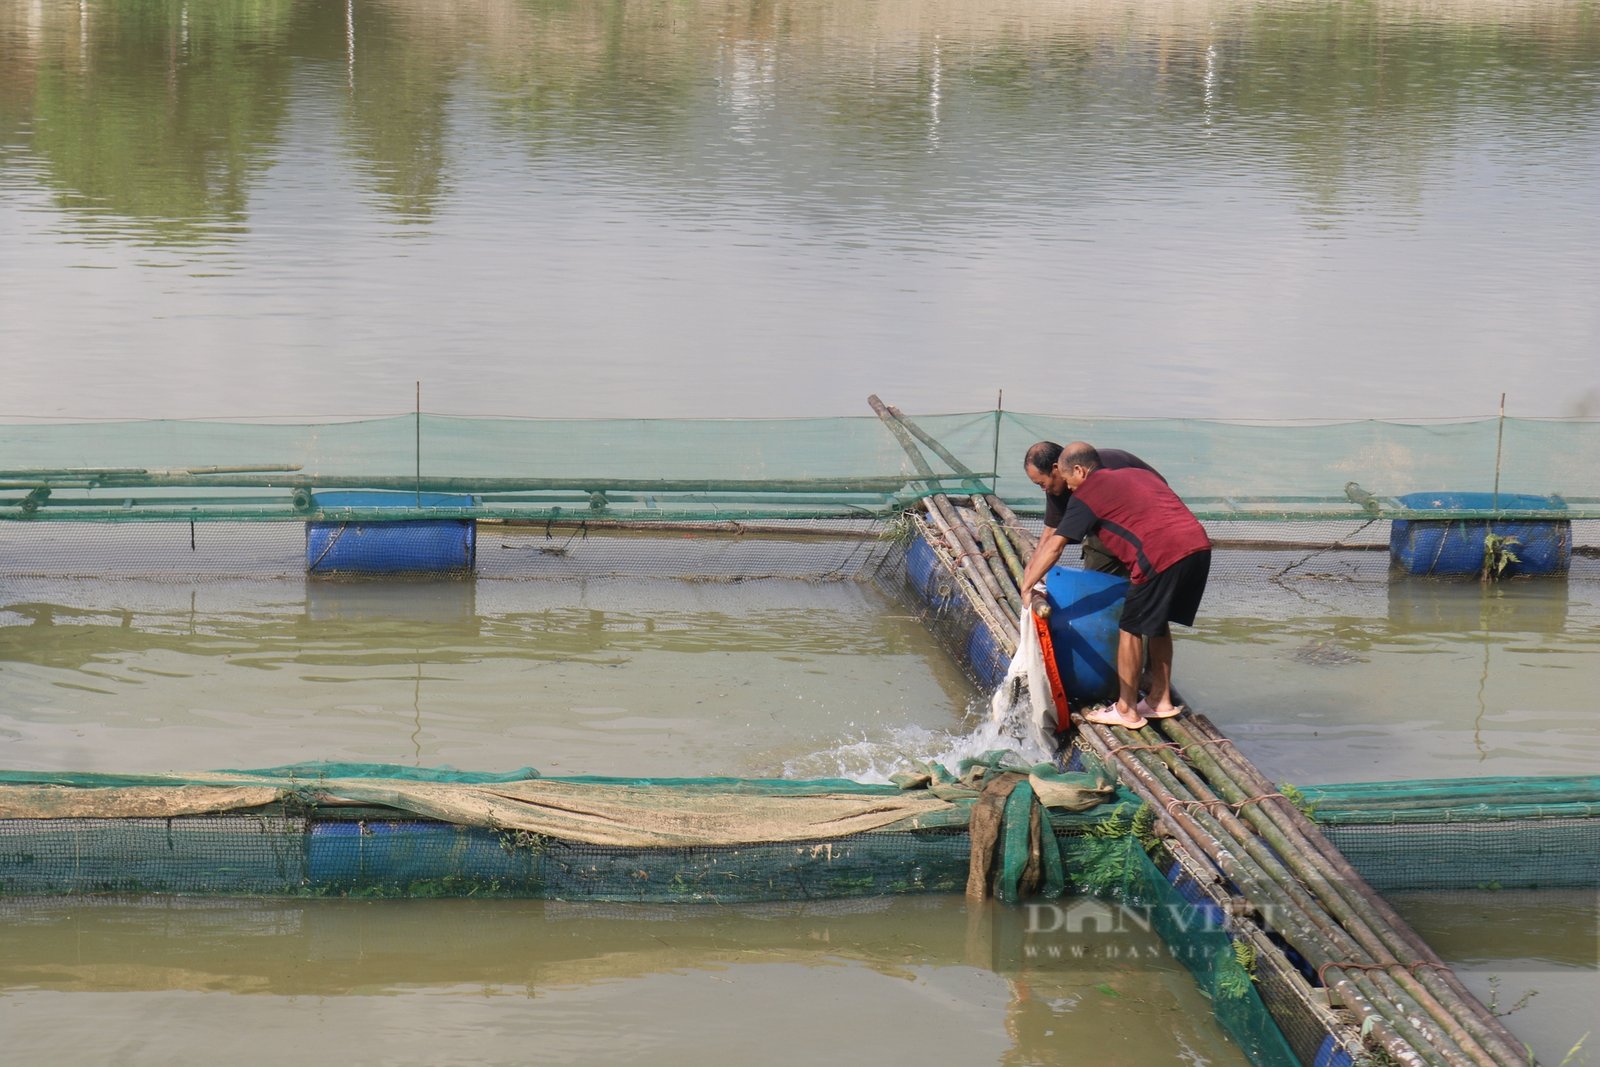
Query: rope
[343,526]
[1145,748]
[1209,804]
[1201,744]
[1351,965]
[1340,543]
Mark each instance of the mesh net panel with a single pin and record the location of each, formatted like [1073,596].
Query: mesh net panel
[750,468]
[1484,833]
[382,856]
[804,549]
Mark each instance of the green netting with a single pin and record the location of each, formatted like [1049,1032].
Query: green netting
[759,468]
[1455,800]
[611,469]
[622,838]
[322,849]
[1484,833]
[1288,470]
[357,830]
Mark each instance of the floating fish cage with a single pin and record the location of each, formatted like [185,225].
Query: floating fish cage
[384,831]
[394,832]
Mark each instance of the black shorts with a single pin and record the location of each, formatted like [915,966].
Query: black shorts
[1172,595]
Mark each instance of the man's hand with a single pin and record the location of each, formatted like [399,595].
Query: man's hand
[1045,554]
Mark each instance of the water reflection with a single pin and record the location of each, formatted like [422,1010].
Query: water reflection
[708,985]
[170,113]
[1277,209]
[160,114]
[1462,608]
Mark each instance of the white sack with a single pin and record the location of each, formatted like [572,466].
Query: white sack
[1024,705]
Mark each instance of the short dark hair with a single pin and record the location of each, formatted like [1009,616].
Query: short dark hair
[1079,454]
[1042,456]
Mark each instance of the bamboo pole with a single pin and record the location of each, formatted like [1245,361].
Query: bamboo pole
[982,599]
[933,445]
[1402,987]
[1024,542]
[939,505]
[1319,939]
[1015,539]
[969,547]
[1403,1048]
[1352,940]
[1308,840]
[997,566]
[1003,542]
[1342,900]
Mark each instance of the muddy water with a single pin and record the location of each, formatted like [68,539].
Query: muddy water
[1339,672]
[610,676]
[413,982]
[664,677]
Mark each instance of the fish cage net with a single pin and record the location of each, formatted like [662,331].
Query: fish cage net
[377,857]
[747,469]
[300,846]
[737,498]
[386,831]
[1478,833]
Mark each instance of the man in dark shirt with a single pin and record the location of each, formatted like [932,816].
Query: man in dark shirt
[1040,466]
[1141,522]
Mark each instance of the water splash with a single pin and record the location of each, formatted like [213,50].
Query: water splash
[875,759]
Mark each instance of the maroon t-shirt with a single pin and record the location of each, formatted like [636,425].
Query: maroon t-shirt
[1112,459]
[1139,518]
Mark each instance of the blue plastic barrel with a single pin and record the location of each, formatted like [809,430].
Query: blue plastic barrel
[1085,608]
[405,856]
[928,574]
[405,546]
[1451,547]
[986,658]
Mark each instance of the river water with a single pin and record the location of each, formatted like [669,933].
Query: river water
[1210,209]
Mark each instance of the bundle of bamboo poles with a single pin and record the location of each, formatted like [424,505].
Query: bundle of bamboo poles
[979,533]
[1216,804]
[1217,807]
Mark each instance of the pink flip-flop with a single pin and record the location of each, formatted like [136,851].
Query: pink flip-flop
[1148,712]
[1109,717]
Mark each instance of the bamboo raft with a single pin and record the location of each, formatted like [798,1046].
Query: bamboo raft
[1368,979]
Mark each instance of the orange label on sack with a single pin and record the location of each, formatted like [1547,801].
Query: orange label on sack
[1063,710]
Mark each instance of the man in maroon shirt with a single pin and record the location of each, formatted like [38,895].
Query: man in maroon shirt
[1039,464]
[1141,522]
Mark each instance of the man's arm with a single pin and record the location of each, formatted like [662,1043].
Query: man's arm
[1045,554]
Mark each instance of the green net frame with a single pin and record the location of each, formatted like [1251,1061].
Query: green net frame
[743,469]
